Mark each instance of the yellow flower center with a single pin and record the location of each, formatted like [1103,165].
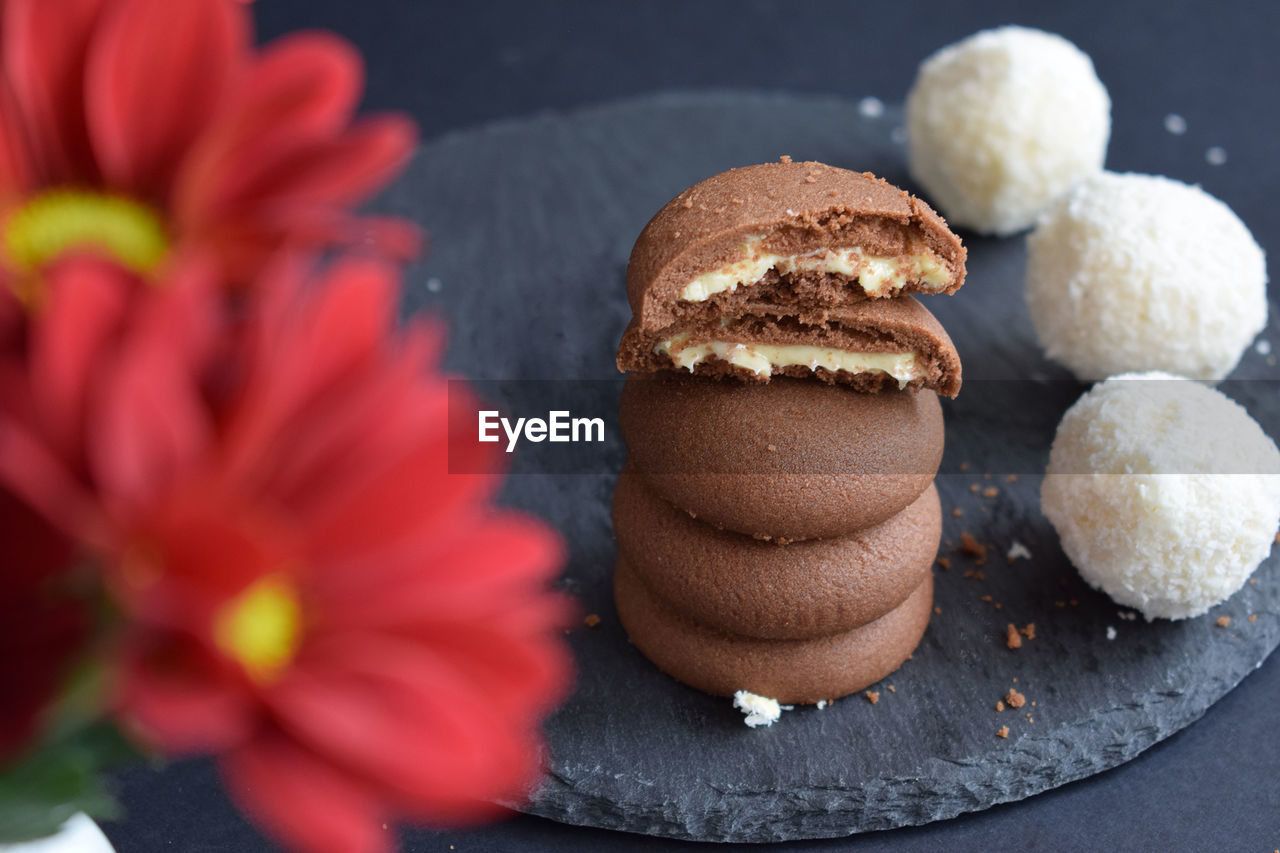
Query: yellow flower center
[60,220]
[261,627]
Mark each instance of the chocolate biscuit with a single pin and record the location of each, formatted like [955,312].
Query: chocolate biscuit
[787,233]
[790,460]
[746,586]
[791,671]
[870,345]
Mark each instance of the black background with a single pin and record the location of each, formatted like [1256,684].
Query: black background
[1214,786]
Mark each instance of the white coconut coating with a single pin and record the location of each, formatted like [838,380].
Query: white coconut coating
[1000,123]
[1130,272]
[1164,492]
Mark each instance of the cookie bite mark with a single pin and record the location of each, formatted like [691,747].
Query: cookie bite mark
[788,234]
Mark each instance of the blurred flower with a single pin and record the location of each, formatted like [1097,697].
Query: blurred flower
[308,592]
[43,624]
[137,128]
[100,400]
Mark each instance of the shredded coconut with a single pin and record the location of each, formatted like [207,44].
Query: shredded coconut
[871,107]
[1000,123]
[1164,492]
[1215,156]
[1111,633]
[1175,124]
[1016,550]
[1131,272]
[760,710]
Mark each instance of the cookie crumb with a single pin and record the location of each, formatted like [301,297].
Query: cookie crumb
[1014,699]
[891,688]
[964,466]
[785,158]
[1028,630]
[1012,478]
[973,548]
[591,620]
[1012,638]
[957,512]
[1224,621]
[937,611]
[1253,617]
[999,704]
[987,599]
[945,563]
[873,696]
[973,487]
[990,492]
[1030,719]
[1002,732]
[688,204]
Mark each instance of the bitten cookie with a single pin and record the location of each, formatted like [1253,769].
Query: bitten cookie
[787,268]
[790,460]
[870,345]
[786,233]
[744,586]
[791,671]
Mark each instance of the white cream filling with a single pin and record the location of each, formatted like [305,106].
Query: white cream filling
[761,359]
[874,273]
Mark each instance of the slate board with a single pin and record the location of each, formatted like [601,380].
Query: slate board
[531,225]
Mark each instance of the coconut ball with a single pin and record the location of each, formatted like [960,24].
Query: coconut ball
[1002,122]
[1131,272]
[1164,492]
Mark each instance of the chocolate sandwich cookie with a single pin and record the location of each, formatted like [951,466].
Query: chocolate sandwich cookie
[790,460]
[744,586]
[870,345]
[787,234]
[791,671]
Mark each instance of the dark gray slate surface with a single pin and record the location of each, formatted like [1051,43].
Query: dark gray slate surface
[532,223]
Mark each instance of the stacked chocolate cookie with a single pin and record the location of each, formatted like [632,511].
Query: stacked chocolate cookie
[777,519]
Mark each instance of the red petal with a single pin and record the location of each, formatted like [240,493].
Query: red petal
[395,712]
[86,300]
[304,802]
[44,52]
[301,88]
[151,428]
[16,167]
[182,698]
[157,73]
[42,480]
[327,334]
[343,171]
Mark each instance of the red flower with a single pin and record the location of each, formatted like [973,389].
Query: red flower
[141,127]
[309,593]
